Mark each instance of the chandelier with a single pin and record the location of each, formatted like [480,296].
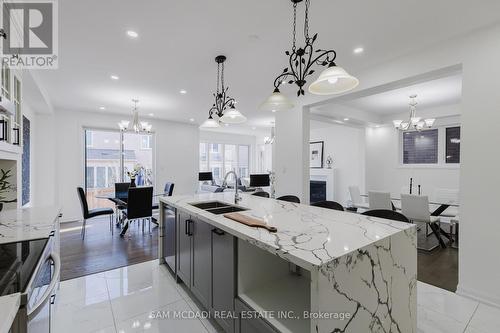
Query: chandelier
[137,126]
[413,122]
[333,80]
[223,109]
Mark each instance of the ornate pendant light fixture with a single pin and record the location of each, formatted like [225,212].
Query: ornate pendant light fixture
[414,122]
[223,109]
[333,80]
[137,126]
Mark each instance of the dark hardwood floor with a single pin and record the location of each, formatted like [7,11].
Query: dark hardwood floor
[100,251]
[439,267]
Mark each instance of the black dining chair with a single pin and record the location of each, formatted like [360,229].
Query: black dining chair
[263,194]
[139,206]
[168,190]
[328,204]
[387,214]
[121,196]
[88,214]
[289,198]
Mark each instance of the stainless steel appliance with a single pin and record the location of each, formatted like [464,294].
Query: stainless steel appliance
[33,269]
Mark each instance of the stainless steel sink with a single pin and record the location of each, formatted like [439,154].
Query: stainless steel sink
[224,210]
[218,207]
[209,204]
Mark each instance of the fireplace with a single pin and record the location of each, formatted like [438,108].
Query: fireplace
[317,191]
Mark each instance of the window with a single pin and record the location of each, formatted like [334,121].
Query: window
[101,177]
[222,158]
[108,155]
[89,135]
[420,147]
[146,142]
[453,144]
[5,81]
[89,177]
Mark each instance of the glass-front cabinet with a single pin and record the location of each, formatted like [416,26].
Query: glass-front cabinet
[10,107]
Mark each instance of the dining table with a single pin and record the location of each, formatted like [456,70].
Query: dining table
[440,207]
[121,200]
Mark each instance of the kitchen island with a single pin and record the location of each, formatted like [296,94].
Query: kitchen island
[322,271]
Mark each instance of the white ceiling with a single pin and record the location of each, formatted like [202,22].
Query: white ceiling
[430,94]
[178,41]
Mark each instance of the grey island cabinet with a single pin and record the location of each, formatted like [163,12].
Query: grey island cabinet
[322,271]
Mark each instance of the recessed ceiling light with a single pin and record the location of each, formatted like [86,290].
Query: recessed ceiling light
[132,34]
[191,119]
[102,108]
[254,128]
[151,114]
[114,77]
[183,92]
[346,119]
[358,50]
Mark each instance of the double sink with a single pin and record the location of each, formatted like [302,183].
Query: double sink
[218,207]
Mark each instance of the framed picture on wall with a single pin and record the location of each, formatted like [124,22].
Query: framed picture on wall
[316,154]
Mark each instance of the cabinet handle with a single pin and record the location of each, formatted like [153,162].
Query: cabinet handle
[190,223]
[218,232]
[186,227]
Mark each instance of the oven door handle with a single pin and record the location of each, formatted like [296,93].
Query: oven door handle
[53,283]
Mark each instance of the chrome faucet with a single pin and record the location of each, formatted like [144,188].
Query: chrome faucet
[237,197]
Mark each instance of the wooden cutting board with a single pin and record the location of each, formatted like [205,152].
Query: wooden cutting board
[249,221]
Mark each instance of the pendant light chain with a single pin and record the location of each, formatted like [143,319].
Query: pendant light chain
[306,22]
[218,75]
[294,26]
[222,77]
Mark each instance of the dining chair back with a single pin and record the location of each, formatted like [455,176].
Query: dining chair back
[121,191]
[355,194]
[416,207]
[140,202]
[379,200]
[83,202]
[289,198]
[387,214]
[262,194]
[328,204]
[169,189]
[90,213]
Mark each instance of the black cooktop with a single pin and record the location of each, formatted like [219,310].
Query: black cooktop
[18,261]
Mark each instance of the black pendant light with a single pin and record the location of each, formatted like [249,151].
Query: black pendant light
[223,109]
[333,80]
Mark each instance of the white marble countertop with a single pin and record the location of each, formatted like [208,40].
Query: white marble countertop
[307,236]
[9,305]
[27,223]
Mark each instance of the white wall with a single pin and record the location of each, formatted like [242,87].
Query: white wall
[290,151]
[60,158]
[346,145]
[385,173]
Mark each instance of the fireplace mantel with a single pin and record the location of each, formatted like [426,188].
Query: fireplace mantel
[324,175]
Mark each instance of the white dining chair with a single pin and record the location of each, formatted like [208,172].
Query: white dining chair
[447,196]
[416,209]
[357,200]
[379,200]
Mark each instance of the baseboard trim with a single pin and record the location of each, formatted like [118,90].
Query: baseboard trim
[478,296]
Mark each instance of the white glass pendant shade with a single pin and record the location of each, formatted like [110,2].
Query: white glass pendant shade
[210,123]
[429,122]
[276,102]
[123,125]
[333,80]
[233,116]
[397,123]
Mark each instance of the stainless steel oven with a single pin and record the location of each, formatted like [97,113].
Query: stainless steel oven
[35,272]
